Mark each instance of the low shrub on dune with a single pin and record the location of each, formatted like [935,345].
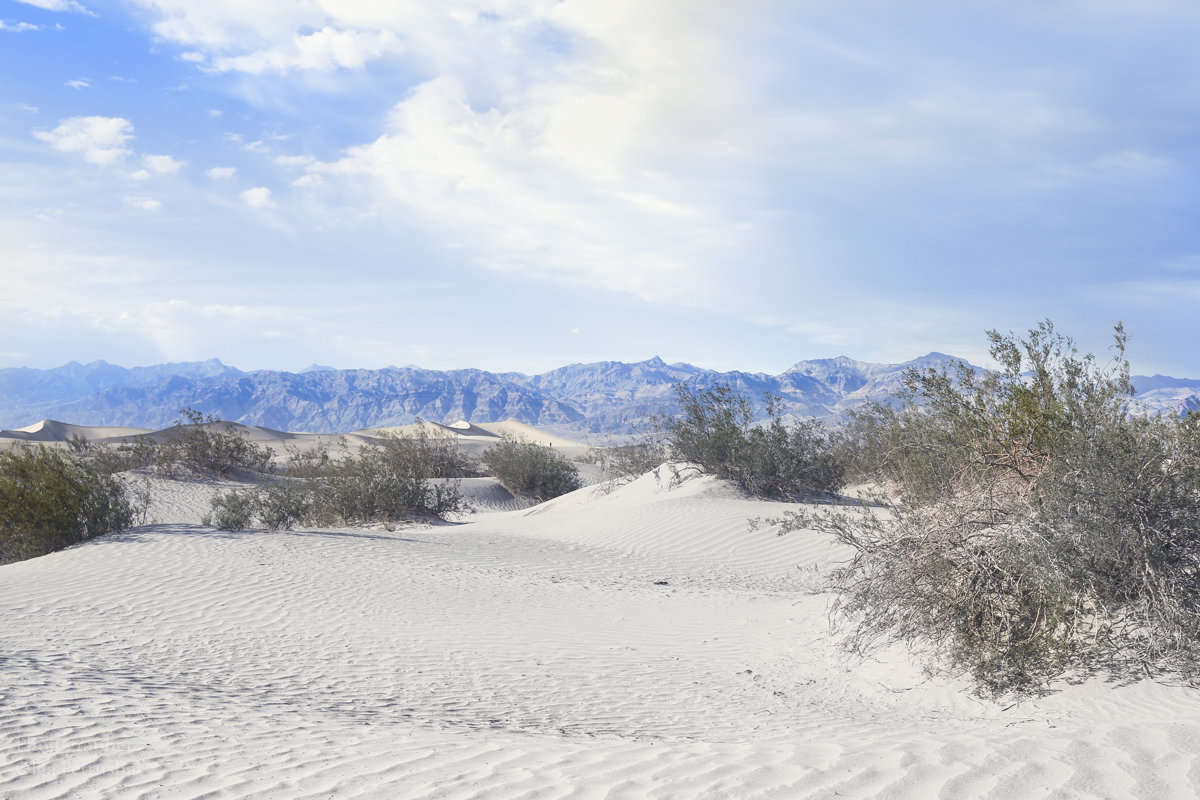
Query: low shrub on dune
[398,477]
[531,469]
[195,446]
[50,500]
[1032,526]
[716,432]
[205,446]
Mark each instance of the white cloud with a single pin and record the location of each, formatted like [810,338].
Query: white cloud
[550,127]
[162,165]
[309,181]
[293,161]
[143,203]
[79,84]
[18,27]
[221,173]
[324,50]
[157,165]
[59,5]
[258,197]
[100,140]
[27,107]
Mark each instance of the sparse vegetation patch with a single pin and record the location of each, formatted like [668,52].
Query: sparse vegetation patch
[716,432]
[1030,525]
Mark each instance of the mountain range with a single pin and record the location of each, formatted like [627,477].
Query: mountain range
[597,398]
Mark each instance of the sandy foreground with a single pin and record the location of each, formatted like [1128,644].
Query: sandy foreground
[633,643]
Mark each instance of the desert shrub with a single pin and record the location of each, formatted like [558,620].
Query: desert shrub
[397,477]
[624,462]
[311,462]
[1032,525]
[110,458]
[281,506]
[233,510]
[49,500]
[393,479]
[716,431]
[529,468]
[203,446]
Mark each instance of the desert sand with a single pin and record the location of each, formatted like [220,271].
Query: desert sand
[627,642]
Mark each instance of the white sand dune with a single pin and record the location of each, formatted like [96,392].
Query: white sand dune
[475,437]
[639,643]
[49,430]
[527,432]
[472,437]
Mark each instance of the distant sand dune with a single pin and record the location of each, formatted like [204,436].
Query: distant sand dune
[49,430]
[473,438]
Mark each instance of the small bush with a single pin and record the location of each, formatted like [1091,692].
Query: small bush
[626,462]
[1033,525]
[528,468]
[109,458]
[398,477]
[49,501]
[203,447]
[282,506]
[232,511]
[310,463]
[716,432]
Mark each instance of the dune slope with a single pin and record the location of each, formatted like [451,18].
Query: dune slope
[640,643]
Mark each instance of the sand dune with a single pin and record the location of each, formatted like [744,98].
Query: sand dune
[49,430]
[472,438]
[632,643]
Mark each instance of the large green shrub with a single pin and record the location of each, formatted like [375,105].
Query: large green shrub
[715,431]
[1031,526]
[529,468]
[49,500]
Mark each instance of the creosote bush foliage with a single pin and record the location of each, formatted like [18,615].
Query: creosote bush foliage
[622,463]
[398,477]
[716,432]
[50,500]
[532,469]
[205,446]
[1030,525]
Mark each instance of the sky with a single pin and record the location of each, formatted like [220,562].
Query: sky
[523,184]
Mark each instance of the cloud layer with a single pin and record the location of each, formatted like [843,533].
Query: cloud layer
[857,176]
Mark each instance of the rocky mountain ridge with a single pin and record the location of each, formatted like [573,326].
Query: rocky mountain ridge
[597,398]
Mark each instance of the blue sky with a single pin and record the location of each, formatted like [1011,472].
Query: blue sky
[521,184]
